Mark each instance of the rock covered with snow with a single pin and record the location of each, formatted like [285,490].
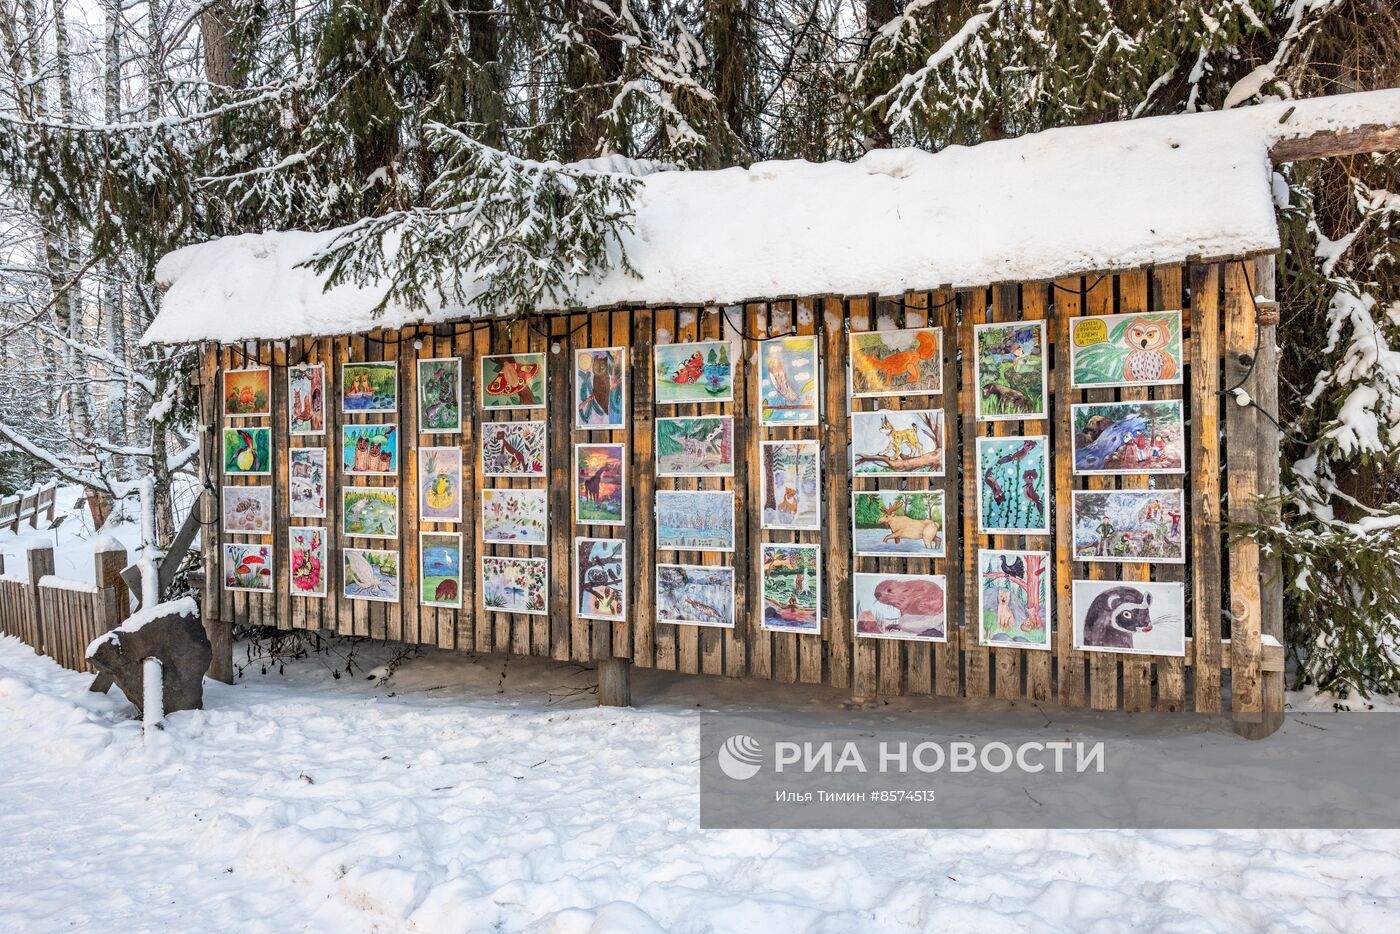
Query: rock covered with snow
[171,632]
[1055,203]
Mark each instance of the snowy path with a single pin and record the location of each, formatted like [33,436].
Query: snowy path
[451,799]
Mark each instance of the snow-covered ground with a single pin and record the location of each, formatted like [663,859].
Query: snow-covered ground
[477,794]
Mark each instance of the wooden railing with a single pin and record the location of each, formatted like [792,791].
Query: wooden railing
[15,509]
[58,617]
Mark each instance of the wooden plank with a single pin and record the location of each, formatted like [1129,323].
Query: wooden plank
[1103,666]
[891,652]
[785,662]
[664,329]
[975,656]
[642,571]
[1167,284]
[811,648]
[1266,381]
[736,639]
[623,337]
[947,681]
[836,546]
[463,621]
[1242,472]
[409,606]
[747,560]
[1137,670]
[483,631]
[865,654]
[561,560]
[918,656]
[711,639]
[281,520]
[1070,668]
[1005,308]
[1039,664]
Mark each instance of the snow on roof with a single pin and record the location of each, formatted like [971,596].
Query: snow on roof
[1060,202]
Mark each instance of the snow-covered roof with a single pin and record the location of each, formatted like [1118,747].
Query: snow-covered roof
[1060,202]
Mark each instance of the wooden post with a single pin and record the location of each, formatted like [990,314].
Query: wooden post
[614,682]
[40,565]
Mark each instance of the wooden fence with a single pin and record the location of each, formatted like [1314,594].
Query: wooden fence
[59,618]
[29,505]
[1234,656]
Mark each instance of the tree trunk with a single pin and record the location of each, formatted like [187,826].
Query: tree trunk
[877,14]
[216,29]
[484,47]
[593,72]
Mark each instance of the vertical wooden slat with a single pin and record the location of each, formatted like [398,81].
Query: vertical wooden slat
[1266,397]
[1005,309]
[975,655]
[712,640]
[891,652]
[1137,670]
[836,552]
[1242,470]
[1069,663]
[1167,296]
[642,571]
[746,561]
[407,613]
[561,555]
[811,648]
[736,639]
[1103,666]
[865,680]
[1039,665]
[948,655]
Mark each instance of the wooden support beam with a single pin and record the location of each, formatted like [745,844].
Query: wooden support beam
[1329,143]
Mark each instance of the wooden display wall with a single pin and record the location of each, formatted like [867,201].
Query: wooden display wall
[1233,657]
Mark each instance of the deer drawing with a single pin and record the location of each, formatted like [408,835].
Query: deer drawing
[895,519]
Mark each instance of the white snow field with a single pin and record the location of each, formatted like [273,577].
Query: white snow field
[475,794]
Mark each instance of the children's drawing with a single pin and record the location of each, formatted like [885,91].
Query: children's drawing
[600,388]
[308,562]
[370,449]
[1129,438]
[247,393]
[695,372]
[600,484]
[1125,350]
[370,512]
[898,443]
[792,587]
[897,363]
[1012,485]
[248,510]
[791,485]
[1136,617]
[901,606]
[369,388]
[440,396]
[248,451]
[440,569]
[306,399]
[1129,525]
[698,446]
[787,381]
[513,449]
[1014,602]
[695,595]
[513,381]
[906,523]
[515,585]
[306,483]
[1010,373]
[248,567]
[370,574]
[440,484]
[515,517]
[600,578]
[694,520]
